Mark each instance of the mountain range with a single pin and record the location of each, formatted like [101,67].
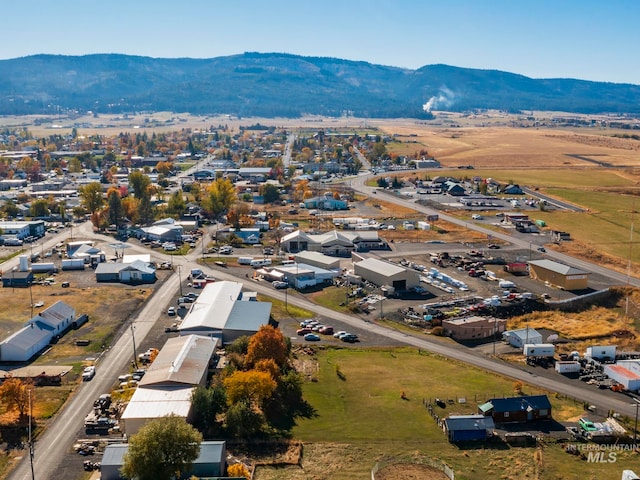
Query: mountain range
[282,85]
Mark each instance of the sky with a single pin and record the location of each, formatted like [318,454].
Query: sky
[583,39]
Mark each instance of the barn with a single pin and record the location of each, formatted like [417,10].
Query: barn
[17,279]
[465,428]
[559,275]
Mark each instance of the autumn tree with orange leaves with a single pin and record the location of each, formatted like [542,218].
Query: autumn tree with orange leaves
[268,342]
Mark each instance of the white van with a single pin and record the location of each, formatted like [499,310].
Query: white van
[262,262]
[245,260]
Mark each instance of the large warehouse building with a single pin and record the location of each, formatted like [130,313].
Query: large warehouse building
[382,273]
[559,275]
[222,310]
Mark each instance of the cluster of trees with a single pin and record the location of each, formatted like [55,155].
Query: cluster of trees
[15,395]
[259,393]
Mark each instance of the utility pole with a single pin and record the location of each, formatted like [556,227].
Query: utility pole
[31,451]
[635,428]
[133,339]
[180,279]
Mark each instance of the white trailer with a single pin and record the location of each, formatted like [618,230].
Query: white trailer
[43,267]
[568,367]
[601,352]
[539,350]
[245,260]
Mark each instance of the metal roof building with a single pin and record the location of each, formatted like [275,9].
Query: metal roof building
[558,274]
[223,311]
[166,388]
[211,461]
[382,273]
[183,360]
[468,427]
[318,259]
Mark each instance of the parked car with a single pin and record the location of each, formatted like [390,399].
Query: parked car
[171,311]
[311,337]
[542,249]
[339,334]
[326,330]
[280,285]
[493,246]
[349,338]
[226,250]
[304,331]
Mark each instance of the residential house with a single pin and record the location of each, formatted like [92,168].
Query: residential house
[522,409]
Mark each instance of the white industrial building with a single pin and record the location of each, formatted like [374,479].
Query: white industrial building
[37,333]
[521,337]
[222,310]
[337,243]
[167,387]
[300,275]
[626,373]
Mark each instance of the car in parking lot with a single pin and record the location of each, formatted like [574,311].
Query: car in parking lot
[311,337]
[304,331]
[326,330]
[493,246]
[280,285]
[171,311]
[349,338]
[476,217]
[542,249]
[226,250]
[339,334]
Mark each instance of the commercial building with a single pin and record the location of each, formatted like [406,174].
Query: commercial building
[382,273]
[335,243]
[318,259]
[167,387]
[473,328]
[559,275]
[222,310]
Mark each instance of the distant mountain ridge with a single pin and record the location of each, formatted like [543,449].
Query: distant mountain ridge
[283,85]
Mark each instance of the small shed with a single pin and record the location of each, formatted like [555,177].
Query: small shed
[17,279]
[464,428]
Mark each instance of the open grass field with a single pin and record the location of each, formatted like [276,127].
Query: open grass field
[107,306]
[361,419]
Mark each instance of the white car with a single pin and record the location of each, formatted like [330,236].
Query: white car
[476,217]
[226,250]
[339,334]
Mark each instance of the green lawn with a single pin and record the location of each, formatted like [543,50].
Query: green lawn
[362,419]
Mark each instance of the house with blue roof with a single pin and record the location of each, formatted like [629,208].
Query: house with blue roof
[465,428]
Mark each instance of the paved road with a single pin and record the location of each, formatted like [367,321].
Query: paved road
[358,184]
[60,435]
[52,446]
